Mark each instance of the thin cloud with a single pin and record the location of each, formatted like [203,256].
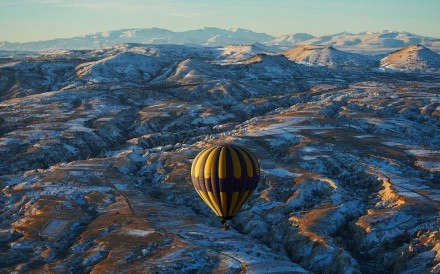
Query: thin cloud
[132,6]
[82,4]
[186,15]
[102,6]
[9,3]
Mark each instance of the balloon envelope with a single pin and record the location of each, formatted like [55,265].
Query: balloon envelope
[225,177]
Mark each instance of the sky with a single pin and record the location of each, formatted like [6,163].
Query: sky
[35,20]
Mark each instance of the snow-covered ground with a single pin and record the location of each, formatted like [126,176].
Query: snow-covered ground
[96,147]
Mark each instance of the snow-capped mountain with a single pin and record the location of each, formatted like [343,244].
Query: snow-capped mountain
[365,42]
[201,37]
[369,42]
[413,58]
[289,40]
[327,56]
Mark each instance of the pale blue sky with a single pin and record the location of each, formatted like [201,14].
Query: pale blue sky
[31,20]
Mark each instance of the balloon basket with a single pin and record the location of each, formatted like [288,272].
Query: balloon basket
[225,226]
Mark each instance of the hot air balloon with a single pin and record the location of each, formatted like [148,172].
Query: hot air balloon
[225,177]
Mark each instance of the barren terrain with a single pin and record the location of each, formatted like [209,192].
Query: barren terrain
[96,148]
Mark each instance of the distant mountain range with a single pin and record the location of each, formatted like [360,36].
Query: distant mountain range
[369,42]
[202,37]
[290,40]
[365,42]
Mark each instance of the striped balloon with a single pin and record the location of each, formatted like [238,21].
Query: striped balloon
[225,177]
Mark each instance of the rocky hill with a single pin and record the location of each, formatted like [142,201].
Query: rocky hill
[328,56]
[234,53]
[412,58]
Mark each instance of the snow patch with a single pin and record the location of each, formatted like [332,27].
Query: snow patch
[281,172]
[138,232]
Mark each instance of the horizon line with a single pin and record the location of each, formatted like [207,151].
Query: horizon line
[228,29]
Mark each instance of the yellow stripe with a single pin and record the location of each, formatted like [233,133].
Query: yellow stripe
[208,163]
[233,202]
[224,200]
[204,198]
[222,164]
[256,164]
[198,192]
[195,161]
[235,163]
[200,160]
[208,202]
[250,172]
[211,196]
[242,200]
